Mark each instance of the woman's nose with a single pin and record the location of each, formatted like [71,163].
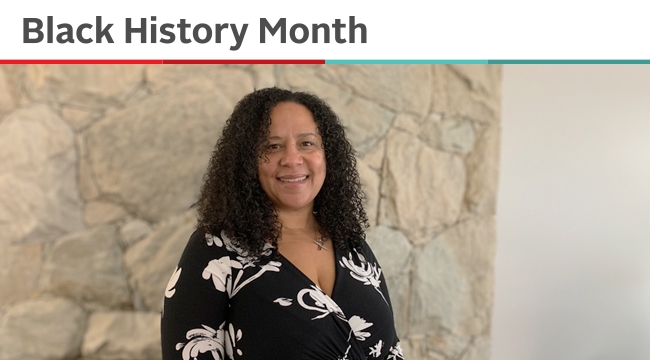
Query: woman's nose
[291,156]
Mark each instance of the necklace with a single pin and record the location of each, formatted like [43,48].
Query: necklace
[321,244]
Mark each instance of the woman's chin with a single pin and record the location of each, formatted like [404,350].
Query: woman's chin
[294,204]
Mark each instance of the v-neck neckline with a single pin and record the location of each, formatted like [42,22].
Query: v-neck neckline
[310,281]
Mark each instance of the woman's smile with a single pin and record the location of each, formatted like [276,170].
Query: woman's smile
[290,179]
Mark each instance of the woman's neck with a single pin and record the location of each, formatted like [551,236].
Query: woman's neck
[298,221]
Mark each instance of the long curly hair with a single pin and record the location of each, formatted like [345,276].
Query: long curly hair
[232,199]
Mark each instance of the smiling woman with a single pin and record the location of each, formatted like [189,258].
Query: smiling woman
[293,170]
[279,267]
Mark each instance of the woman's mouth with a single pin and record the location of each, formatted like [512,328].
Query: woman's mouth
[292,179]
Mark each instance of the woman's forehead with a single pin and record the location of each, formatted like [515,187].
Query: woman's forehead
[292,118]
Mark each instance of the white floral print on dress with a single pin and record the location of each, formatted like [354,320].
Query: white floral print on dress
[212,240]
[369,274]
[202,340]
[376,350]
[169,290]
[322,303]
[227,274]
[242,255]
[221,343]
[358,324]
[395,352]
[232,337]
[220,270]
[283,301]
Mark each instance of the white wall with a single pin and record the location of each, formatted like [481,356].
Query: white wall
[573,218]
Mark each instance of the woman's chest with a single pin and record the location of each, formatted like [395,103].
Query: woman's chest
[285,310]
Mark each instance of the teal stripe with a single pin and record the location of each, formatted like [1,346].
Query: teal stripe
[384,62]
[500,62]
[504,62]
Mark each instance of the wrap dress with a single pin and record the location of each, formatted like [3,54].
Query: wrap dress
[222,303]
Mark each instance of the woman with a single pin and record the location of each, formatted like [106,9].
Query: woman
[278,267]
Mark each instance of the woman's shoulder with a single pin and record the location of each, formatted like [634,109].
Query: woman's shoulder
[216,244]
[200,238]
[204,244]
[363,247]
[359,253]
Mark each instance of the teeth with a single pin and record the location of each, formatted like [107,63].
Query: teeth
[293,180]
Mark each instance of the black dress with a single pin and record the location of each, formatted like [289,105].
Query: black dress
[223,304]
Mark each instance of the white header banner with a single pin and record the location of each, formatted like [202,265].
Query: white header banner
[407,29]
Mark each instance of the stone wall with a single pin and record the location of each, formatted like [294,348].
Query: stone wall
[99,165]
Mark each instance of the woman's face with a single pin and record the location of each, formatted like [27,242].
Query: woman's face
[294,169]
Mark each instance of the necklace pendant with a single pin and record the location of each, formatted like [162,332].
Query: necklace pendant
[321,244]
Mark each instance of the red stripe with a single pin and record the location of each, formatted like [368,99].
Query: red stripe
[81,61]
[162,62]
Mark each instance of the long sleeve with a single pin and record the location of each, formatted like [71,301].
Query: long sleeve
[394,350]
[370,258]
[196,303]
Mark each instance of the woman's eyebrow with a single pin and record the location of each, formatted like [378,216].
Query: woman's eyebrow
[306,134]
[276,137]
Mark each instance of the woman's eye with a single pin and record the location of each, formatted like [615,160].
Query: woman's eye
[307,143]
[273,147]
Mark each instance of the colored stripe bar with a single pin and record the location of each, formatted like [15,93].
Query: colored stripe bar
[390,62]
[311,62]
[75,62]
[578,62]
[318,62]
[500,62]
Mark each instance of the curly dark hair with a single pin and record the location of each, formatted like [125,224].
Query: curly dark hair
[233,200]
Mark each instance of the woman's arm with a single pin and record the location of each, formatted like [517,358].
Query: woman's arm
[195,306]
